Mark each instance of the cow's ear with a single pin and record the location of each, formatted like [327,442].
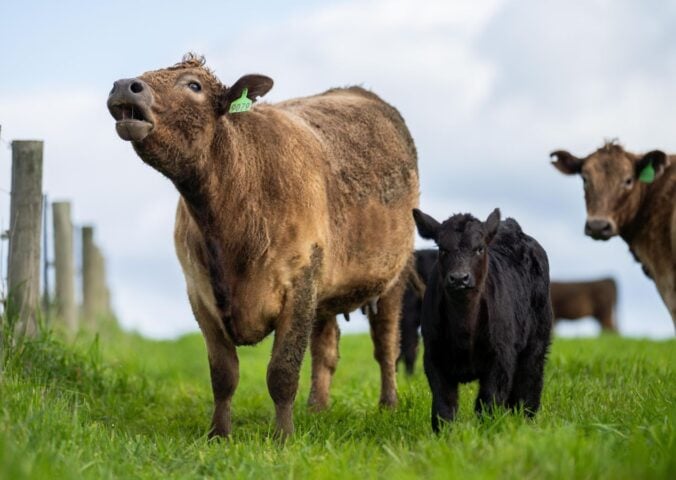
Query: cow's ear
[245,91]
[566,162]
[427,226]
[651,165]
[491,225]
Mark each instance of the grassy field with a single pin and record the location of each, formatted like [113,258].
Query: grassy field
[127,407]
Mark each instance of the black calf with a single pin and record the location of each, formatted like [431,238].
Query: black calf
[486,313]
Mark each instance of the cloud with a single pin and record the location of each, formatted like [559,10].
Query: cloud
[488,89]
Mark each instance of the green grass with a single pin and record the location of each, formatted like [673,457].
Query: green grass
[127,407]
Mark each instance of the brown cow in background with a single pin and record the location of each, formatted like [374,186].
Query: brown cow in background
[633,196]
[574,300]
[289,214]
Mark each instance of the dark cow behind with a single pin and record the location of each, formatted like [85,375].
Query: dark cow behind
[486,314]
[411,307]
[596,298]
[633,196]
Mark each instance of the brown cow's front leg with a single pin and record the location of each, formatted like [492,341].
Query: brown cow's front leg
[223,367]
[385,336]
[224,370]
[324,348]
[291,339]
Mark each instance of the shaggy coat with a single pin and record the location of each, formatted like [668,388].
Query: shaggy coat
[289,214]
[633,196]
[597,298]
[486,314]
[411,307]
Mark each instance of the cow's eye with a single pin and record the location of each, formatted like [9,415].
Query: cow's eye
[585,182]
[479,251]
[195,87]
[628,182]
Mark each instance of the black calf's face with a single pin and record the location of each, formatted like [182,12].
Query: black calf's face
[463,242]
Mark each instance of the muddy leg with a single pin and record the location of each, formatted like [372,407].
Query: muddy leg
[223,367]
[224,370]
[291,339]
[324,348]
[385,336]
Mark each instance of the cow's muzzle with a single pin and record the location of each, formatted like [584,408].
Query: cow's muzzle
[129,103]
[459,281]
[600,228]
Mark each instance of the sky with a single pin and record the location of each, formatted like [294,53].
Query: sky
[487,87]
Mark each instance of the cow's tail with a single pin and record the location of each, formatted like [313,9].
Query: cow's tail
[413,278]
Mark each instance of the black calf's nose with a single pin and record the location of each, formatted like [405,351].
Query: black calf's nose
[458,279]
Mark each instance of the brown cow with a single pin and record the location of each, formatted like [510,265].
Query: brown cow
[633,196]
[597,298]
[289,214]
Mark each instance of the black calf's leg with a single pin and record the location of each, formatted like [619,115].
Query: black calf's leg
[444,395]
[409,344]
[528,381]
[494,388]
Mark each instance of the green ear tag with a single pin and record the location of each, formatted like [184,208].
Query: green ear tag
[647,175]
[242,104]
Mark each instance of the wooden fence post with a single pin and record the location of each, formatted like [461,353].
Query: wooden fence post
[64,266]
[102,305]
[23,264]
[93,279]
[88,276]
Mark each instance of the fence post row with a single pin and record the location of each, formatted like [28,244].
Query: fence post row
[24,254]
[94,289]
[64,266]
[23,265]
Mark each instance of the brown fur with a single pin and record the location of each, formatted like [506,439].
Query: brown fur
[644,215]
[574,300]
[289,214]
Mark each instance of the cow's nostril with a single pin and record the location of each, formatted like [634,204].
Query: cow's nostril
[136,87]
[112,90]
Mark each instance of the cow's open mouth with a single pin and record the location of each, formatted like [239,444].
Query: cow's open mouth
[133,121]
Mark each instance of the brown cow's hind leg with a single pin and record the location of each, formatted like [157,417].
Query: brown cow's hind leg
[385,336]
[324,348]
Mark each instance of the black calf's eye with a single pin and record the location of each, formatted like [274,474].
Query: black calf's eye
[628,182]
[194,86]
[479,250]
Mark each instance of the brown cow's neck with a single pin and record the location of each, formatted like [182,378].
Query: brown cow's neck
[207,179]
[647,232]
[632,228]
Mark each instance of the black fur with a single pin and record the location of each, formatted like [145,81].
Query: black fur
[486,314]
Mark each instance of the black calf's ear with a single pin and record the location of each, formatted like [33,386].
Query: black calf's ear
[491,225]
[566,163]
[427,226]
[244,93]
[651,165]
